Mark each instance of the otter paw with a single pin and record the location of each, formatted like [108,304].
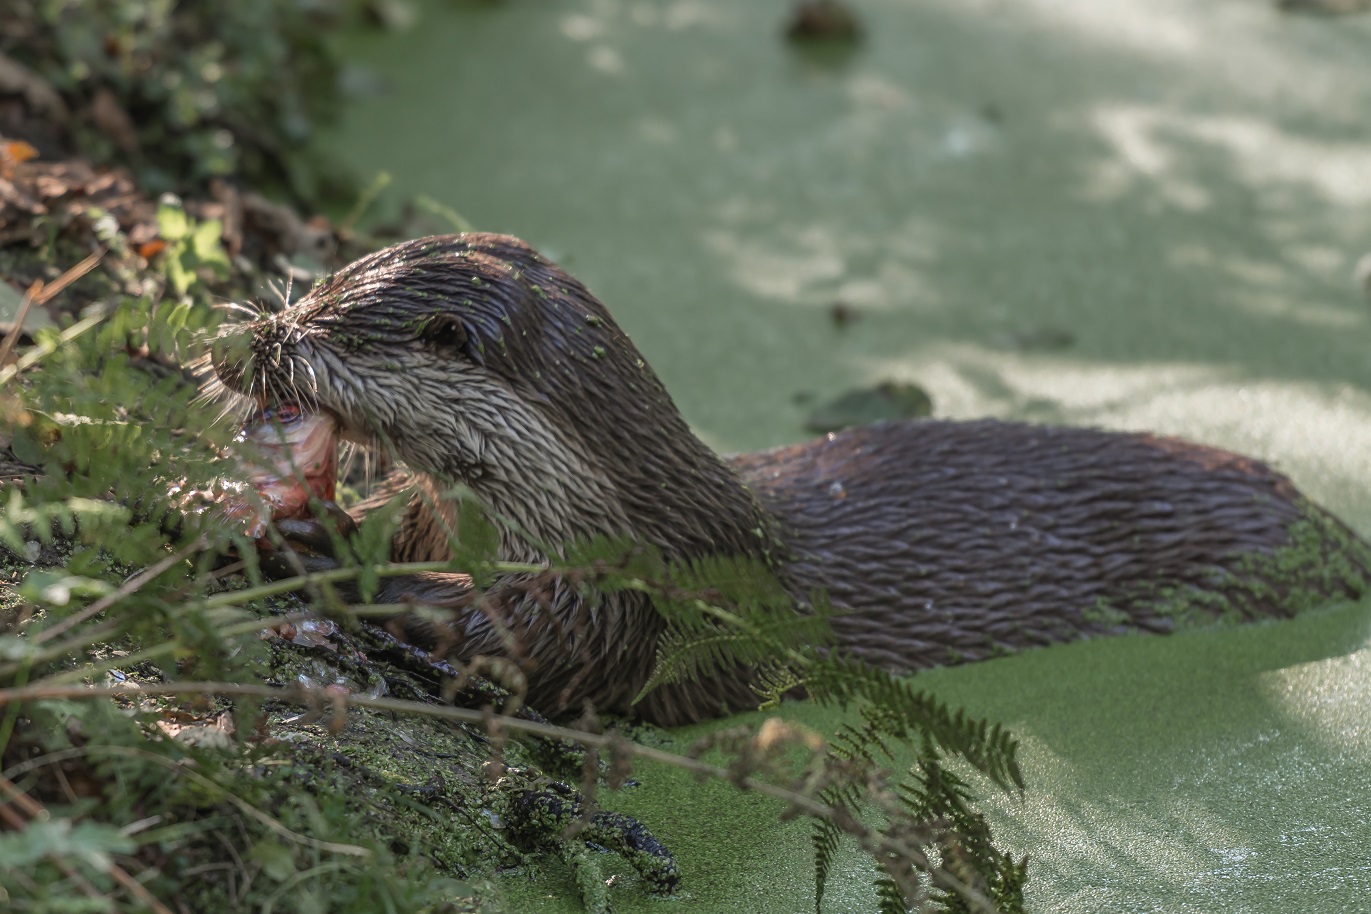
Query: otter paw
[310,544]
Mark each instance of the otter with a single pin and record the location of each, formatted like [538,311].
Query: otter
[473,360]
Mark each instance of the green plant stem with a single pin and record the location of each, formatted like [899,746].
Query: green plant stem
[227,599]
[131,586]
[43,350]
[238,597]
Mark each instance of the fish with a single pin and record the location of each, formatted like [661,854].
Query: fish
[290,456]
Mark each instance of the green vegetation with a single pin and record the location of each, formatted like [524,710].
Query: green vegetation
[187,92]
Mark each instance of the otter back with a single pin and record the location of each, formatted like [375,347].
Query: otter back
[939,542]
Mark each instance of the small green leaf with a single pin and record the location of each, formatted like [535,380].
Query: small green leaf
[207,247]
[11,300]
[372,543]
[90,842]
[15,648]
[181,276]
[172,223]
[478,538]
[275,858]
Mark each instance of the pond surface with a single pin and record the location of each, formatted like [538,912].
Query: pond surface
[1133,214]
[1221,771]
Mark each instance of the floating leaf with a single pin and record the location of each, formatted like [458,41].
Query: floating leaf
[887,401]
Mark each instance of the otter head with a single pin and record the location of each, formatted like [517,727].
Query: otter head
[472,359]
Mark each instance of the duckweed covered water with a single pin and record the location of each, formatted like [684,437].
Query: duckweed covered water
[1133,214]
[1179,189]
[1225,770]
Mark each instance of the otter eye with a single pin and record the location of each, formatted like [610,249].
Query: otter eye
[284,413]
[444,330]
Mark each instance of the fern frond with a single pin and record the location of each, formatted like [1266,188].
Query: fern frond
[774,681]
[892,708]
[622,561]
[725,612]
[889,898]
[825,837]
[687,657]
[699,647]
[731,580]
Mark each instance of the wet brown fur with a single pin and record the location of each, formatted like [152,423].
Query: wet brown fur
[476,361]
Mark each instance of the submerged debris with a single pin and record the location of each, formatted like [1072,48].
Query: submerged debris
[887,401]
[823,20]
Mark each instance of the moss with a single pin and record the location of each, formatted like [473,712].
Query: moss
[1104,614]
[1321,561]
[544,813]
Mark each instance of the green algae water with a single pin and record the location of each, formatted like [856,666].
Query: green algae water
[1133,214]
[1180,188]
[1211,771]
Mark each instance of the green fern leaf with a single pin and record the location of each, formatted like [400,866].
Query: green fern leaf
[889,897]
[825,838]
[894,709]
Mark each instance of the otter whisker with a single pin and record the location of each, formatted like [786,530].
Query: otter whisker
[281,301]
[308,380]
[237,308]
[212,390]
[313,378]
[202,368]
[351,453]
[235,407]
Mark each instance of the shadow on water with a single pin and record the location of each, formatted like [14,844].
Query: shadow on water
[1181,189]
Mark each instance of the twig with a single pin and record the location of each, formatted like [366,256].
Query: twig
[40,294]
[131,586]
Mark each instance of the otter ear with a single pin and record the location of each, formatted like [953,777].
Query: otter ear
[444,330]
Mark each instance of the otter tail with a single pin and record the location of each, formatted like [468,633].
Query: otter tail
[939,542]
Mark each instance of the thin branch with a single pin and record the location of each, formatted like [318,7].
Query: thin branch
[130,587]
[40,294]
